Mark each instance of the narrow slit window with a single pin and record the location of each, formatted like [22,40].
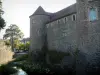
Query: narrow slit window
[66,19]
[74,17]
[92,14]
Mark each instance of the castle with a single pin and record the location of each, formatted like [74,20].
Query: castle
[77,26]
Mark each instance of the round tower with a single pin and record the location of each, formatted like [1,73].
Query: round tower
[37,28]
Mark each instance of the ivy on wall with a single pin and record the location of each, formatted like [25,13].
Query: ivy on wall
[56,57]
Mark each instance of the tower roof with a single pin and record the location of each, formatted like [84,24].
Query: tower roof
[40,11]
[54,16]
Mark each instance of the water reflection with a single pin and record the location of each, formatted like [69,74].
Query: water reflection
[20,72]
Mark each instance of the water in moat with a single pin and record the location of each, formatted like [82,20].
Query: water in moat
[20,72]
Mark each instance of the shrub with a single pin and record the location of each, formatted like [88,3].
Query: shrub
[32,68]
[58,70]
[7,70]
[7,42]
[56,57]
[21,58]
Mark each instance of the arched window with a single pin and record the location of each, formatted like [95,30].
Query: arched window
[93,14]
[74,17]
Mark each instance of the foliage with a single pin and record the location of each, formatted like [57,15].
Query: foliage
[2,23]
[39,56]
[32,68]
[22,46]
[7,70]
[16,43]
[13,30]
[27,45]
[21,58]
[38,68]
[7,42]
[57,56]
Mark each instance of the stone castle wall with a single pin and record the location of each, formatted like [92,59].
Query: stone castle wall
[61,36]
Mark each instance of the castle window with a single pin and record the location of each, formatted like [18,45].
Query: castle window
[74,17]
[92,14]
[65,19]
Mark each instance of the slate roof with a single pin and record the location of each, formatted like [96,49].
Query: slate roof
[64,12]
[40,11]
[53,16]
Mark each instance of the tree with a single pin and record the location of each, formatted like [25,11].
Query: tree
[7,43]
[16,43]
[13,32]
[27,45]
[2,23]
[24,46]
[21,46]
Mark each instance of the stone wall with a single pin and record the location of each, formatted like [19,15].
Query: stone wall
[88,33]
[37,31]
[61,36]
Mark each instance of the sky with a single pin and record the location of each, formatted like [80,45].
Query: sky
[18,11]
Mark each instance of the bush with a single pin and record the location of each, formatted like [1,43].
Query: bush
[21,58]
[7,70]
[32,68]
[7,42]
[57,56]
[39,68]
[58,70]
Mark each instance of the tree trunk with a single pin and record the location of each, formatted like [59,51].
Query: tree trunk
[12,43]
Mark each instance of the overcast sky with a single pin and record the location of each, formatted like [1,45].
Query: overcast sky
[18,11]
